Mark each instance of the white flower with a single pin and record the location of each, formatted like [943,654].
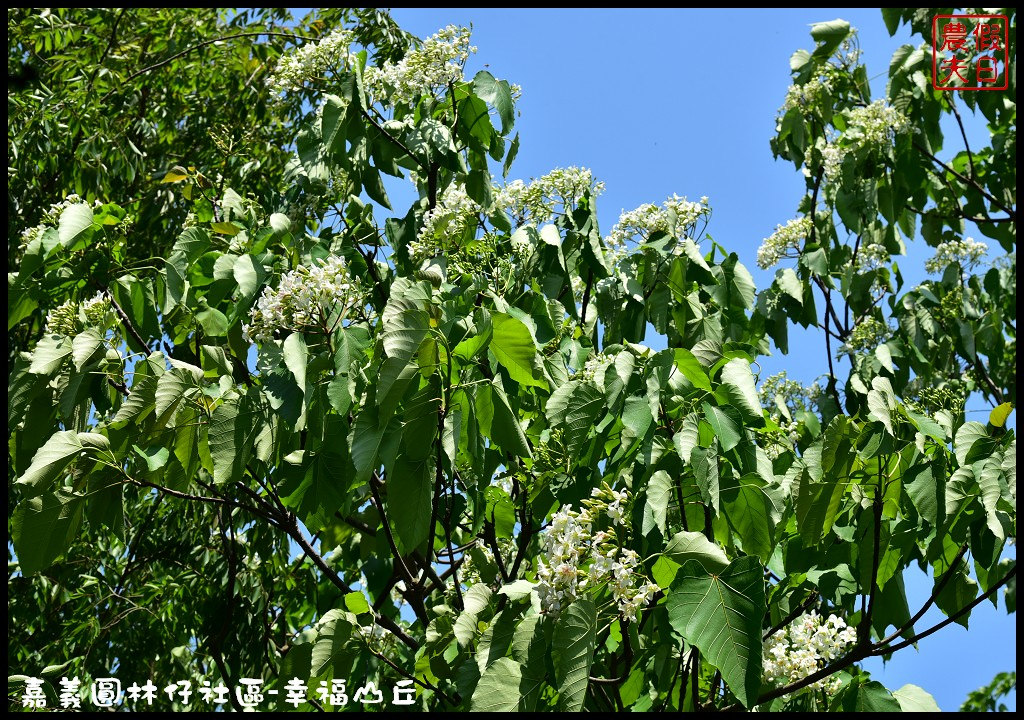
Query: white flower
[675,217]
[785,239]
[311,61]
[434,65]
[537,201]
[967,253]
[69,318]
[871,126]
[315,297]
[804,647]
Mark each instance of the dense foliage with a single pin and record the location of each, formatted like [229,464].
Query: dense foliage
[288,431]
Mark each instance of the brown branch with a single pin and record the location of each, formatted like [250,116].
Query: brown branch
[943,581]
[952,618]
[124,318]
[793,615]
[203,44]
[963,133]
[292,528]
[970,181]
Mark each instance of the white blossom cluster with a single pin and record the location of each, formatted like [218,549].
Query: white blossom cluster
[674,216]
[71,317]
[311,61]
[307,297]
[454,213]
[785,239]
[570,543]
[967,253]
[805,97]
[594,366]
[537,201]
[871,126]
[806,646]
[872,256]
[438,62]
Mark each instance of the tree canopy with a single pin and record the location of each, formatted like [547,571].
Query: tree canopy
[265,426]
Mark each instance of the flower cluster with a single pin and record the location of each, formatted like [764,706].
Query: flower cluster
[805,646]
[866,336]
[872,256]
[536,202]
[435,64]
[570,542]
[967,253]
[316,297]
[674,216]
[454,213]
[783,398]
[805,97]
[594,366]
[786,238]
[311,61]
[871,126]
[70,318]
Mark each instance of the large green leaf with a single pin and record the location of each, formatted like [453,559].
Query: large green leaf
[49,354]
[410,489]
[915,699]
[738,390]
[499,687]
[514,348]
[75,221]
[659,493]
[239,429]
[573,652]
[505,429]
[50,461]
[685,546]
[722,615]
[43,528]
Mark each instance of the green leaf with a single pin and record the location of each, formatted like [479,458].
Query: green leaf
[585,406]
[249,274]
[705,472]
[409,495]
[914,699]
[514,348]
[997,418]
[659,493]
[43,528]
[356,603]
[74,222]
[692,370]
[466,627]
[237,430]
[869,697]
[966,437]
[722,616]
[49,355]
[50,461]
[685,546]
[499,687]
[573,652]
[498,95]
[829,36]
[519,590]
[726,423]
[505,428]
[85,347]
[740,392]
[296,358]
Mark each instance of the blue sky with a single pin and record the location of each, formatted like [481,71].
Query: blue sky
[658,102]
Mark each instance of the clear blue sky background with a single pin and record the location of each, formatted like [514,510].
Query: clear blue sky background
[684,101]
